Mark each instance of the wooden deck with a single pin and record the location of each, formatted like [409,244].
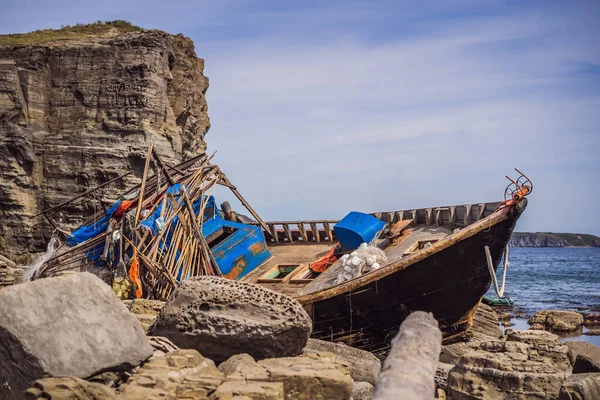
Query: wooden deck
[304,254]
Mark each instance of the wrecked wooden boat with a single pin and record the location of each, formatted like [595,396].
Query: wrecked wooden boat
[169,228]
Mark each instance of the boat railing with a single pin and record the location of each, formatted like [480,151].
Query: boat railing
[321,231]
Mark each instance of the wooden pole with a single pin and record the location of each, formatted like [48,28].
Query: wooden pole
[408,371]
[163,167]
[82,194]
[143,186]
[203,245]
[225,182]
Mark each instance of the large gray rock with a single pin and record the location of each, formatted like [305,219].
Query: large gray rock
[581,387]
[69,325]
[527,365]
[363,365]
[220,318]
[584,356]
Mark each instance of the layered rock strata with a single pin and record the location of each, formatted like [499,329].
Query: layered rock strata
[77,113]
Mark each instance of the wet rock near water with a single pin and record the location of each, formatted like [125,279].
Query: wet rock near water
[70,325]
[556,320]
[527,364]
[221,318]
[591,320]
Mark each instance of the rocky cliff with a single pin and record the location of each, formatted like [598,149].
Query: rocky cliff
[77,110]
[547,239]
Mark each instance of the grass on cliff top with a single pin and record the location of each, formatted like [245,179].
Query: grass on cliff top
[77,31]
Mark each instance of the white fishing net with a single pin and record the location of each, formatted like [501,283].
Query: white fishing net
[35,267]
[362,260]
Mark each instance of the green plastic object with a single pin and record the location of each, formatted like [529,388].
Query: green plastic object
[490,301]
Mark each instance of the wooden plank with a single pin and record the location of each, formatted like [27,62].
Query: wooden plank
[302,231]
[315,232]
[273,231]
[328,231]
[429,216]
[399,226]
[72,199]
[481,213]
[288,233]
[244,202]
[143,186]
[467,219]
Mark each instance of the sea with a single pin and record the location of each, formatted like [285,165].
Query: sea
[553,278]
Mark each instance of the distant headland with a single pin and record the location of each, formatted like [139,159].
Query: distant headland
[550,239]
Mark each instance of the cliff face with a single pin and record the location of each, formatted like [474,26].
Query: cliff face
[74,114]
[547,239]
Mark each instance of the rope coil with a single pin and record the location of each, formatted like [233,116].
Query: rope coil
[499,292]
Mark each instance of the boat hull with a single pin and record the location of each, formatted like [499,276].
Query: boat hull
[448,283]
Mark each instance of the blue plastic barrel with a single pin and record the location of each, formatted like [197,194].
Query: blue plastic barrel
[357,228]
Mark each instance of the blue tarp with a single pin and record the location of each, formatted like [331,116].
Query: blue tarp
[87,232]
[153,222]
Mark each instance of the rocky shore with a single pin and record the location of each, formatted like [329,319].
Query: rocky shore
[69,337]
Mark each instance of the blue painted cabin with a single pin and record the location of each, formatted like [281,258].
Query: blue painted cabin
[237,248]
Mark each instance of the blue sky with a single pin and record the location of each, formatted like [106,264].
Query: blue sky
[323,107]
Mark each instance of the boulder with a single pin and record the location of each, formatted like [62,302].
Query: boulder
[584,356]
[220,318]
[581,387]
[592,319]
[528,364]
[68,325]
[362,391]
[179,374]
[363,365]
[557,320]
[310,377]
[69,387]
[249,390]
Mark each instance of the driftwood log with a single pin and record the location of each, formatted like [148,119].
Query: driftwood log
[408,371]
